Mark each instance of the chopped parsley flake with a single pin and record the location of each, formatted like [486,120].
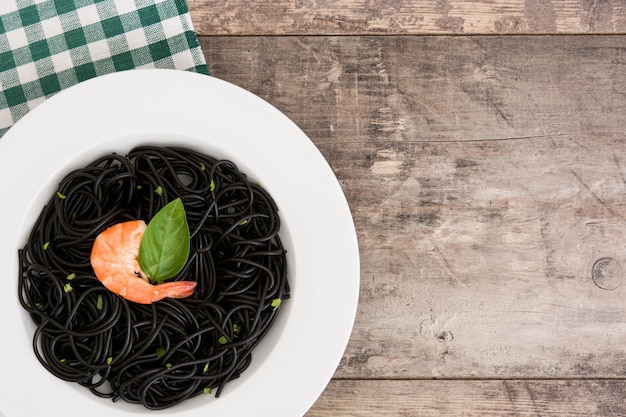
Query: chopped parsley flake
[236,328]
[61,196]
[71,276]
[202,166]
[100,302]
[109,360]
[276,303]
[222,340]
[159,190]
[160,352]
[207,390]
[68,288]
[212,185]
[243,223]
[46,245]
[206,368]
[168,365]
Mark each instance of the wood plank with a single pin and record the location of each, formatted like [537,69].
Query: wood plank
[486,179]
[471,399]
[343,17]
[477,257]
[359,89]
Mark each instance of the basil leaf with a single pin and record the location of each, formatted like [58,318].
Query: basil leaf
[164,247]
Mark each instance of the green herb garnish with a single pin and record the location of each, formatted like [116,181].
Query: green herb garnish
[71,276]
[164,247]
[276,303]
[159,190]
[160,352]
[68,288]
[212,185]
[46,245]
[109,360]
[100,302]
[61,196]
[222,340]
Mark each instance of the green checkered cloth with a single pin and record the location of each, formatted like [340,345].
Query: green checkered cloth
[49,45]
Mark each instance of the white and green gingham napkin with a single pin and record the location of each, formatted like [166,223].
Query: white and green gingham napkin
[49,45]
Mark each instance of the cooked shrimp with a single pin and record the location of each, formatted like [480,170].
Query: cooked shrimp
[114,258]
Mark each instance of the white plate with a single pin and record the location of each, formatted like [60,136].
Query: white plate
[113,113]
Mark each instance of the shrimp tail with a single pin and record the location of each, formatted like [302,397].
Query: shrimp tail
[177,289]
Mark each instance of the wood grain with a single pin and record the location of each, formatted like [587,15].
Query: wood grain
[477,258]
[444,88]
[486,177]
[358,17]
[471,399]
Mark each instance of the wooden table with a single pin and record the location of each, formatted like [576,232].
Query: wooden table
[481,147]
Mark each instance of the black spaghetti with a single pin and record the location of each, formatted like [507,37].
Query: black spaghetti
[163,353]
